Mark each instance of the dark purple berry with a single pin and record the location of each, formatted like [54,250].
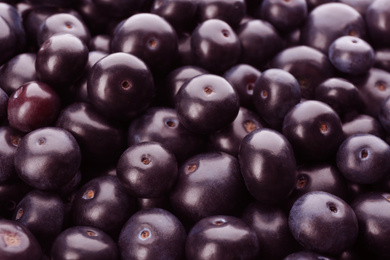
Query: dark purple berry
[47,158]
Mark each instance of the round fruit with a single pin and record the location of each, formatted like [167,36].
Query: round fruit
[47,158]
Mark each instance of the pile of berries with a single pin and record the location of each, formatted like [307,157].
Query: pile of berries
[194,129]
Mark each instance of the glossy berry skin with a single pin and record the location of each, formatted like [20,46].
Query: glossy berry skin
[231,12]
[361,5]
[243,78]
[228,139]
[175,80]
[340,94]
[329,22]
[161,124]
[11,15]
[221,237]
[152,234]
[103,203]
[215,45]
[206,104]
[374,88]
[100,42]
[9,141]
[78,92]
[284,15]
[363,158]
[120,86]
[384,115]
[34,18]
[70,55]
[33,105]
[378,22]
[42,213]
[101,142]
[17,71]
[63,23]
[97,245]
[314,130]
[275,92]
[271,228]
[149,37]
[267,165]
[180,14]
[260,42]
[21,7]
[372,211]
[19,242]
[147,170]
[308,65]
[364,124]
[323,223]
[351,55]
[8,41]
[93,58]
[382,59]
[319,177]
[185,56]
[47,158]
[208,184]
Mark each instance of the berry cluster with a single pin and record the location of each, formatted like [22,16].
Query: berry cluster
[194,129]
